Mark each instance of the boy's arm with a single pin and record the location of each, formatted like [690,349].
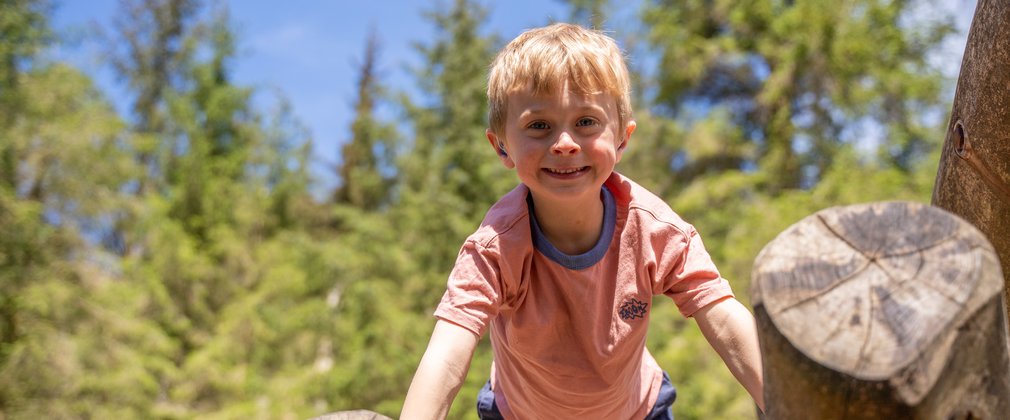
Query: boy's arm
[440,373]
[730,328]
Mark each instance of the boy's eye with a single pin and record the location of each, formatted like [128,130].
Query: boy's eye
[585,122]
[538,125]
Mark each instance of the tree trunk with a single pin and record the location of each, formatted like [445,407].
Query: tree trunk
[973,180]
[885,310]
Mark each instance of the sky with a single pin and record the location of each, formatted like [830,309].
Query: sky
[308,51]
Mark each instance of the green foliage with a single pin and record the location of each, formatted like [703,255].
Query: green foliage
[179,266]
[705,387]
[68,173]
[24,28]
[364,185]
[800,79]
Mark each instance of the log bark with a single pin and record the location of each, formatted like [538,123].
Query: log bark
[884,310]
[973,178]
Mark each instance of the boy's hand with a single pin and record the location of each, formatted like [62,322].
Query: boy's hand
[440,373]
[729,327]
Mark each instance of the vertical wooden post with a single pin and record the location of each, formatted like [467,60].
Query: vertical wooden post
[973,179]
[885,310]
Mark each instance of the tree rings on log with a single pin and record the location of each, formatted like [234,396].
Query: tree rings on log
[877,292]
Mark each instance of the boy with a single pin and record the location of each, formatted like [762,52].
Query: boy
[564,267]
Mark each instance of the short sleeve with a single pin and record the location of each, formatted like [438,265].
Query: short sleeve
[473,292]
[691,278]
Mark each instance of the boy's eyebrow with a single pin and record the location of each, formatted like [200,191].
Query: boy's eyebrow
[533,113]
[546,109]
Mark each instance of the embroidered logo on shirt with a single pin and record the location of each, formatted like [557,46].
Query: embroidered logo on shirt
[633,308]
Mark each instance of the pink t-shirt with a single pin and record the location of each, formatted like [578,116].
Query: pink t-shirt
[570,342]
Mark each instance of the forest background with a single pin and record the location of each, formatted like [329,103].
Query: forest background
[177,259]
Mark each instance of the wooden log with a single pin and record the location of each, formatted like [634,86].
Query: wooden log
[884,310]
[973,179]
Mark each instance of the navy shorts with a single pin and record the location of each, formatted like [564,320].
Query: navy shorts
[487,409]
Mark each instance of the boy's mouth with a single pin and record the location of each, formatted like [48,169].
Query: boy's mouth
[566,172]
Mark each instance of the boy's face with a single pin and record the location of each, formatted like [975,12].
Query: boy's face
[562,146]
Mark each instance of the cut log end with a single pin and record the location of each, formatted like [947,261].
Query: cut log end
[877,292]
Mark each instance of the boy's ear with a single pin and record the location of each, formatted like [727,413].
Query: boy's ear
[628,129]
[499,149]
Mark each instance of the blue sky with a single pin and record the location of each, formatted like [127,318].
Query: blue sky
[307,50]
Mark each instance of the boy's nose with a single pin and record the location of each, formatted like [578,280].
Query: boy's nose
[565,145]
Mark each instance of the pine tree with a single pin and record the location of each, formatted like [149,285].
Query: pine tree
[26,244]
[25,30]
[227,188]
[364,158]
[64,169]
[799,79]
[157,46]
[449,177]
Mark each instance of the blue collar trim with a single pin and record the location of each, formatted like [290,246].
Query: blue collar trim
[589,258]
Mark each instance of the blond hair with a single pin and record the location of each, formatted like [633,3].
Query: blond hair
[544,59]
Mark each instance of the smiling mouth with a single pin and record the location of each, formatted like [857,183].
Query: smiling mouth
[565,171]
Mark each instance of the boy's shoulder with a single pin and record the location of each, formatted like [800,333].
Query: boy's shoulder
[640,203]
[507,220]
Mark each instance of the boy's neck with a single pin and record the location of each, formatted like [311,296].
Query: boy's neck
[572,226]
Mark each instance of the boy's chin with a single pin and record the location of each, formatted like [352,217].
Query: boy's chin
[571,194]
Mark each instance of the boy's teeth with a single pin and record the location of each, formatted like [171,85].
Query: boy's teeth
[565,171]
